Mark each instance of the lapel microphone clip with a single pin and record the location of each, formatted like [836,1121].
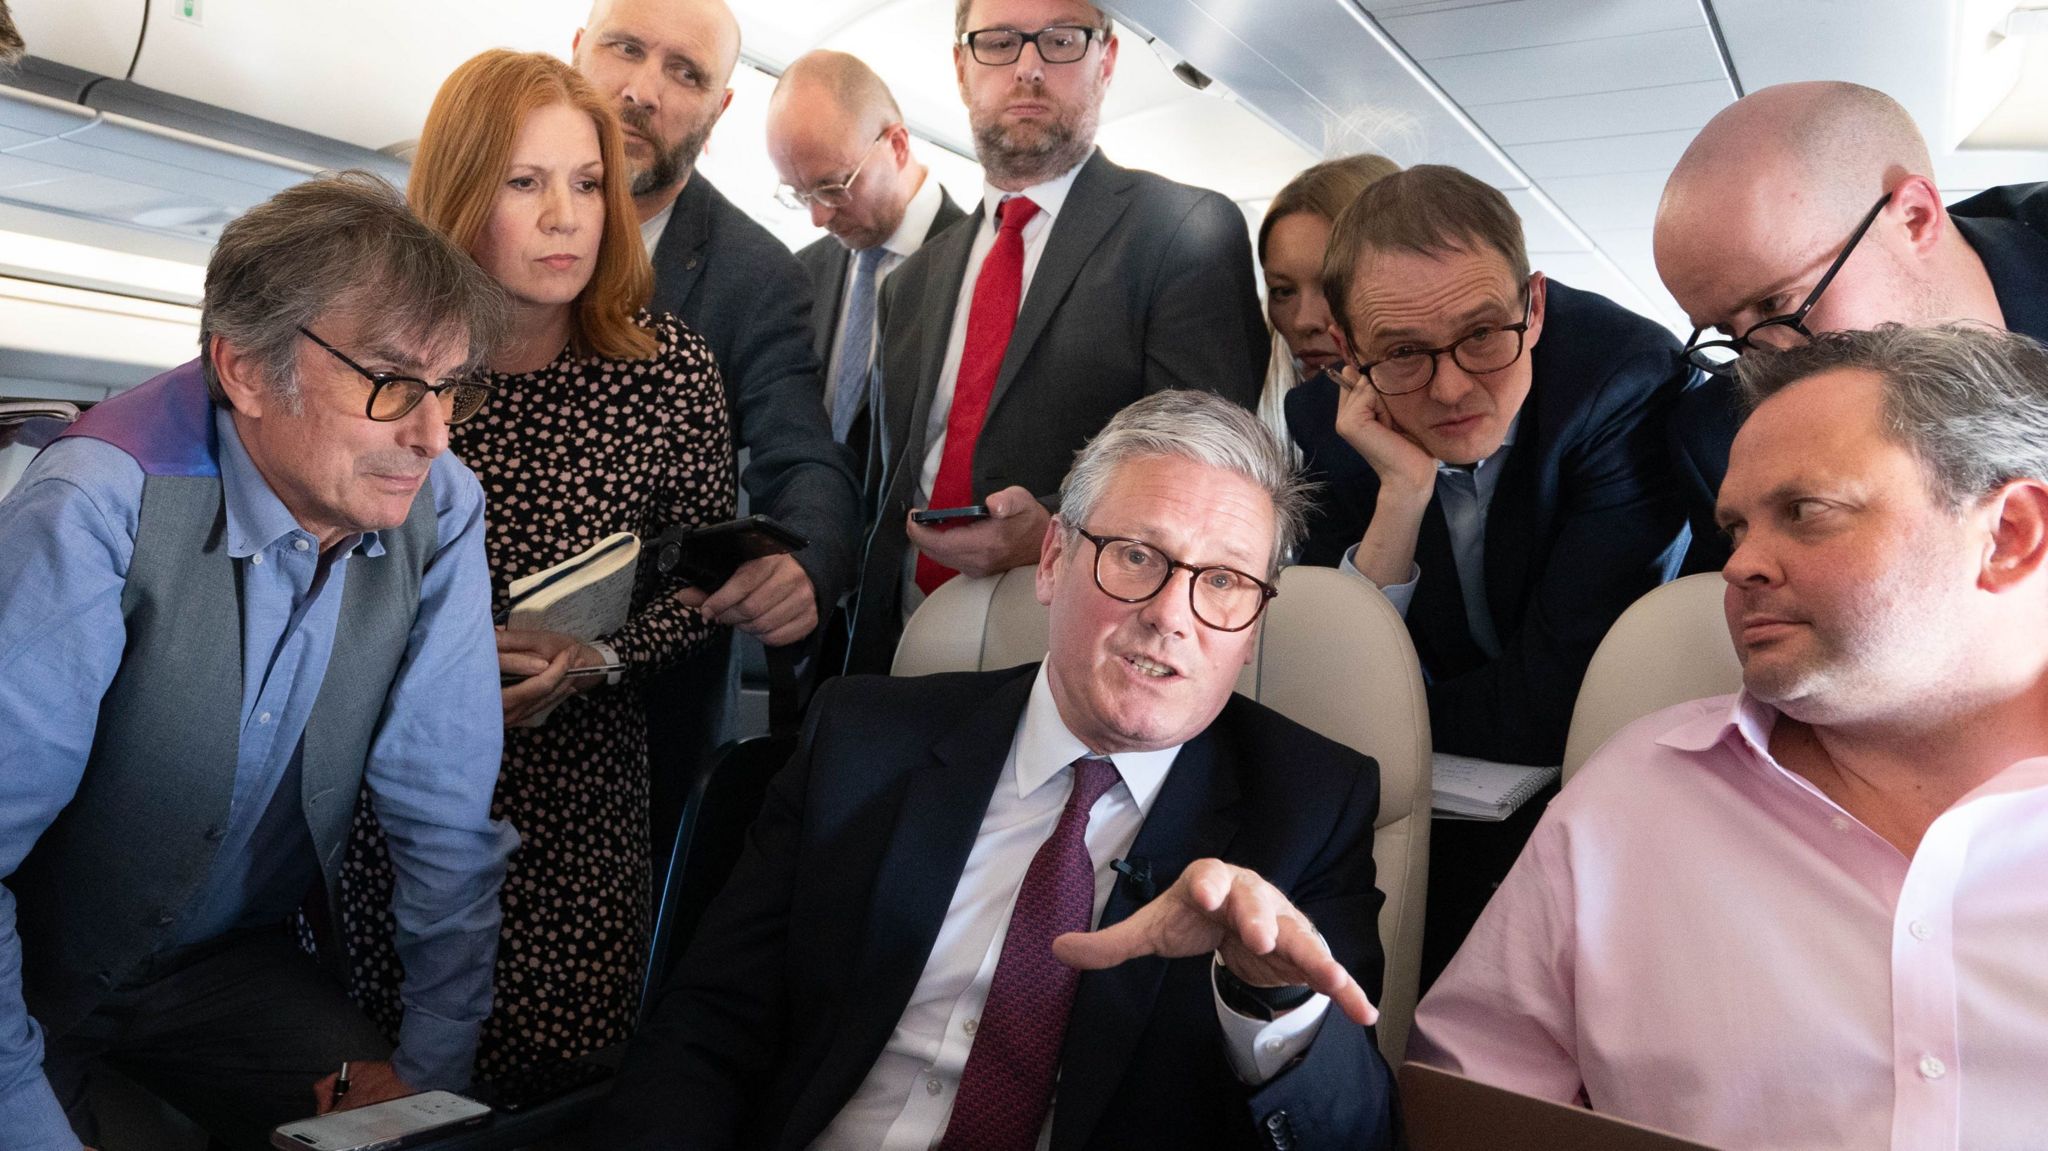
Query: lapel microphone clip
[1135,875]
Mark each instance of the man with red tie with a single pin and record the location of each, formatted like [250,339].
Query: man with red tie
[902,958]
[1077,287]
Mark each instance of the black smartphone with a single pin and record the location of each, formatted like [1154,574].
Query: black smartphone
[967,514]
[707,556]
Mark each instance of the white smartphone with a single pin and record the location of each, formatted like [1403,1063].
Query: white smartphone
[382,1126]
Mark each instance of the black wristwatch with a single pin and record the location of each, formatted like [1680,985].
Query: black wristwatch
[1267,1003]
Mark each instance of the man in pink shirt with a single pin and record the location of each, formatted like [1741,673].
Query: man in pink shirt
[1814,914]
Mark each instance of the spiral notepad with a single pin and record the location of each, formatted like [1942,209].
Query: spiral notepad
[1467,788]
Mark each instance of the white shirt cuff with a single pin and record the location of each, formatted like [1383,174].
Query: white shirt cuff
[1397,594]
[1258,1049]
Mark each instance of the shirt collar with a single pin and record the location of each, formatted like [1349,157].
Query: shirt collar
[256,517]
[1747,722]
[918,215]
[1049,196]
[651,230]
[1043,747]
[1490,466]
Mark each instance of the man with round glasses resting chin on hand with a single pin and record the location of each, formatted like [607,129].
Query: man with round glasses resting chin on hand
[231,599]
[1812,914]
[1493,455]
[1758,237]
[902,958]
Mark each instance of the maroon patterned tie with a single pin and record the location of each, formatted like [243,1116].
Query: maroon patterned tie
[1007,1084]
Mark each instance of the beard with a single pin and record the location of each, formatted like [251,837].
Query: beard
[669,166]
[1031,153]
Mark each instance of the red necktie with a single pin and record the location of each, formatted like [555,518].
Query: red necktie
[991,317]
[1007,1085]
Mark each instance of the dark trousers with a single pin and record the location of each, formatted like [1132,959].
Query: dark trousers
[232,1032]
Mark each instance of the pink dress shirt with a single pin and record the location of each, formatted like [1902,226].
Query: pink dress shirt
[1697,939]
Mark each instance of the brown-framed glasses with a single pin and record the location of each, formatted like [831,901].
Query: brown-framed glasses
[1484,349]
[393,397]
[1133,571]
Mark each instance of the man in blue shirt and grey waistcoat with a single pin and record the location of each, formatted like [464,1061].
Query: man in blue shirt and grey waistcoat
[231,599]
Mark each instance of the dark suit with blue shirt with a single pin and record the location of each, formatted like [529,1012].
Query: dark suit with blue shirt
[1585,519]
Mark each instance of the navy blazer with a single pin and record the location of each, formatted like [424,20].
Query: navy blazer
[1585,519]
[804,963]
[740,288]
[2008,228]
[1144,285]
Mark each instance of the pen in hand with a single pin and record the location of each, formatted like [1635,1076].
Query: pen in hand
[340,1085]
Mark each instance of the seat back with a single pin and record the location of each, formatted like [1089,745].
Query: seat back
[1670,646]
[1332,655]
[721,806]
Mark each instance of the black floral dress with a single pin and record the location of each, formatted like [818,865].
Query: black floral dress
[568,455]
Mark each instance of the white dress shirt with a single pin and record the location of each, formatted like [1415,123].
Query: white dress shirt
[902,244]
[1050,197]
[652,228]
[907,1099]
[1699,939]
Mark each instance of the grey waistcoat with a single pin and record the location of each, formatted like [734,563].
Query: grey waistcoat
[102,889]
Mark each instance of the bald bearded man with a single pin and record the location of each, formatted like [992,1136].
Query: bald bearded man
[842,150]
[1811,207]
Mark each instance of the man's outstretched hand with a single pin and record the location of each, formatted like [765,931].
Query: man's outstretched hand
[1214,906]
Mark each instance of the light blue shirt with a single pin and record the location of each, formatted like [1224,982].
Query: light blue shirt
[67,533]
[1465,493]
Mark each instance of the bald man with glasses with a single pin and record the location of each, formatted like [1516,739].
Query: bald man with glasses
[1866,240]
[843,153]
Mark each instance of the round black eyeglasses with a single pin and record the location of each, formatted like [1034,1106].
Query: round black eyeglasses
[1720,356]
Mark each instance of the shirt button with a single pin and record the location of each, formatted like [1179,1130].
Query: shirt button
[264,718]
[1920,930]
[933,1087]
[1932,1068]
[970,1026]
[300,545]
[1839,824]
[257,559]
[1275,1046]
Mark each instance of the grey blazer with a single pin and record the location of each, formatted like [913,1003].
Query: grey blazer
[1144,285]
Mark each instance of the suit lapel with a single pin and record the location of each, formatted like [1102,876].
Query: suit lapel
[1192,819]
[830,302]
[1094,204]
[1437,616]
[937,819]
[1514,521]
[679,254]
[909,399]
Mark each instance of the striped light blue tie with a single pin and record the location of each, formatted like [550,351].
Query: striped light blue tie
[851,386]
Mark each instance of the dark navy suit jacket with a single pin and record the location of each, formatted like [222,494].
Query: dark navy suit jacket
[804,963]
[1585,520]
[2007,226]
[740,288]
